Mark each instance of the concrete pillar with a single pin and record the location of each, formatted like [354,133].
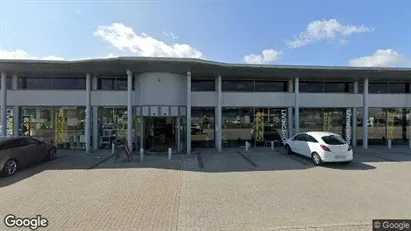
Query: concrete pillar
[188,130]
[95,129]
[354,119]
[16,109]
[178,134]
[142,138]
[218,121]
[365,115]
[290,112]
[130,109]
[88,113]
[3,106]
[297,105]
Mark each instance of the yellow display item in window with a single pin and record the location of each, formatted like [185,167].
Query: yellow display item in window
[59,128]
[327,121]
[259,126]
[10,126]
[390,125]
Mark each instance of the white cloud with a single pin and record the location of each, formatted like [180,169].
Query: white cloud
[326,30]
[21,54]
[171,35]
[266,56]
[125,39]
[380,58]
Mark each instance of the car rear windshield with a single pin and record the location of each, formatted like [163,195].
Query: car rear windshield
[333,140]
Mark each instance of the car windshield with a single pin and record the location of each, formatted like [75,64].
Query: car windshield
[333,140]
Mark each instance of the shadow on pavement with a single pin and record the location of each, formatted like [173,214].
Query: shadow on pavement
[208,160]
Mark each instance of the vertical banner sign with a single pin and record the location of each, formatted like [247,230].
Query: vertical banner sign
[26,121]
[259,126]
[59,126]
[348,114]
[327,121]
[9,116]
[390,125]
[284,127]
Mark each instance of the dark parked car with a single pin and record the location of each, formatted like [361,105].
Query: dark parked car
[19,152]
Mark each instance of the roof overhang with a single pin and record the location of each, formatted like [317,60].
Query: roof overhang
[198,68]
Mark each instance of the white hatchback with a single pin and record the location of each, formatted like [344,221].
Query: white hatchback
[320,147]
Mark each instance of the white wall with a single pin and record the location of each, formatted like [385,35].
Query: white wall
[330,100]
[161,89]
[204,99]
[389,100]
[45,98]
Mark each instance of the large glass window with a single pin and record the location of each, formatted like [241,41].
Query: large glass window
[69,83]
[238,85]
[237,126]
[400,88]
[377,88]
[202,127]
[112,124]
[119,84]
[312,87]
[202,85]
[69,127]
[38,122]
[35,83]
[323,119]
[338,87]
[270,86]
[9,83]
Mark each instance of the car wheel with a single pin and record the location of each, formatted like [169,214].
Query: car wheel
[51,154]
[316,159]
[288,149]
[10,167]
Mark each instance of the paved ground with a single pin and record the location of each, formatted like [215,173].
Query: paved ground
[234,190]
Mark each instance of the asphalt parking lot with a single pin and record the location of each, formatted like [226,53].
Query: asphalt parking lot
[233,190]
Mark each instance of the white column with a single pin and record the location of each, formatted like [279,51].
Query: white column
[297,105]
[16,109]
[3,106]
[354,119]
[218,121]
[95,129]
[130,109]
[142,138]
[178,134]
[88,112]
[290,112]
[365,116]
[188,130]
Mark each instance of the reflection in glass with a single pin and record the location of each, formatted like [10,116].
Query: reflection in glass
[38,122]
[271,127]
[377,88]
[338,87]
[112,124]
[271,86]
[69,83]
[313,87]
[69,127]
[35,83]
[324,119]
[238,85]
[202,85]
[202,127]
[399,88]
[237,124]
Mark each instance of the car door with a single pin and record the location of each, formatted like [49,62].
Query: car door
[312,145]
[35,148]
[298,143]
[17,150]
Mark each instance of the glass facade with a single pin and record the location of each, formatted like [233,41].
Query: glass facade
[254,86]
[51,83]
[112,124]
[203,85]
[110,83]
[385,88]
[326,87]
[202,127]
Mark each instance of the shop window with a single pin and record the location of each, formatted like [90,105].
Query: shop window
[271,86]
[335,87]
[202,85]
[202,127]
[238,85]
[398,88]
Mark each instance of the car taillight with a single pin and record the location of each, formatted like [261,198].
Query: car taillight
[325,148]
[349,148]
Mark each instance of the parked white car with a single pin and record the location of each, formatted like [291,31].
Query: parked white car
[320,147]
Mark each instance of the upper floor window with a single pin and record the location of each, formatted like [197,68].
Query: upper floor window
[119,84]
[399,88]
[69,83]
[35,83]
[270,86]
[385,88]
[327,87]
[312,87]
[202,85]
[9,83]
[238,85]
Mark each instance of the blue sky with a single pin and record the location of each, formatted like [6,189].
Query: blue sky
[301,32]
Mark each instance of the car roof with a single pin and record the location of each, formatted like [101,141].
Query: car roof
[321,134]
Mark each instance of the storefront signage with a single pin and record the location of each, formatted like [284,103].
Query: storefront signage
[284,128]
[259,124]
[348,126]
[390,125]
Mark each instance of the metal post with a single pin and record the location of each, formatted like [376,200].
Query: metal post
[87,118]
[365,115]
[95,129]
[389,144]
[129,110]
[247,146]
[142,138]
[354,119]
[188,130]
[178,134]
[3,106]
[113,148]
[297,105]
[170,151]
[272,145]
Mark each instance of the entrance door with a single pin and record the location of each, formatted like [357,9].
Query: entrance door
[160,134]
